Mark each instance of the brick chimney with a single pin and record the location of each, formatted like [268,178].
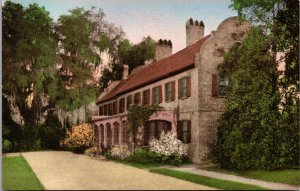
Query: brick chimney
[125,72]
[163,49]
[194,31]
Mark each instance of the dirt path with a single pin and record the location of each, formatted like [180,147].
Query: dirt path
[68,171]
[262,183]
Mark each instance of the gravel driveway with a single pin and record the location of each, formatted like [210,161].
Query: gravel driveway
[68,171]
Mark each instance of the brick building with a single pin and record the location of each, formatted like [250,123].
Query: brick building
[186,84]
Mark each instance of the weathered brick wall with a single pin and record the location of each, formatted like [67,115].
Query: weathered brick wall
[210,108]
[193,32]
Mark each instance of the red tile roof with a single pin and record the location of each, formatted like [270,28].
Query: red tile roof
[157,70]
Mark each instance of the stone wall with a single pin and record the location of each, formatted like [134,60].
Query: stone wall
[211,55]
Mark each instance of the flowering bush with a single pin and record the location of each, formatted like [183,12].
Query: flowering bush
[78,138]
[168,145]
[93,151]
[120,152]
[168,148]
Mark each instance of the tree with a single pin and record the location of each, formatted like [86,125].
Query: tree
[131,55]
[279,20]
[83,36]
[251,134]
[136,55]
[28,56]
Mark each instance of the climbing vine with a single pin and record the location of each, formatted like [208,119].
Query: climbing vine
[138,116]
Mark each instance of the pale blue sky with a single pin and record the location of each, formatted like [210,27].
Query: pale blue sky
[157,18]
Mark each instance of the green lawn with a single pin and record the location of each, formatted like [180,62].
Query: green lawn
[291,176]
[18,175]
[211,182]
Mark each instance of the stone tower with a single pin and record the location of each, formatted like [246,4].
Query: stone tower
[194,31]
[163,49]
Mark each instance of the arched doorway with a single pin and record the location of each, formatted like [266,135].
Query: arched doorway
[101,135]
[108,135]
[116,133]
[153,129]
[124,132]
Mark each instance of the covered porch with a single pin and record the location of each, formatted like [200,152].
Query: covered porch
[109,131]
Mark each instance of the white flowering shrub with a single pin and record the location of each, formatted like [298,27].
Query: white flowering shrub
[168,145]
[120,152]
[168,148]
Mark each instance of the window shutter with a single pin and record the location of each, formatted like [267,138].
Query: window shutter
[160,94]
[188,86]
[214,84]
[179,130]
[189,132]
[179,96]
[173,91]
[152,96]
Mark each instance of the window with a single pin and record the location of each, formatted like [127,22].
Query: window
[124,132]
[102,134]
[105,110]
[115,108]
[122,105]
[137,99]
[153,129]
[170,91]
[223,86]
[184,131]
[116,133]
[146,97]
[109,108]
[220,87]
[101,110]
[156,95]
[184,87]
[129,101]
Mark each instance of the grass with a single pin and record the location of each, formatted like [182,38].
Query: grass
[18,175]
[290,176]
[211,182]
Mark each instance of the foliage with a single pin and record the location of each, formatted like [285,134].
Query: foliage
[29,53]
[17,175]
[128,54]
[251,133]
[93,151]
[207,181]
[84,35]
[51,133]
[137,116]
[6,146]
[136,55]
[142,156]
[168,148]
[120,152]
[167,145]
[78,139]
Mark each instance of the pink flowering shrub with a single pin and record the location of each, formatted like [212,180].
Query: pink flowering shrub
[168,148]
[78,138]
